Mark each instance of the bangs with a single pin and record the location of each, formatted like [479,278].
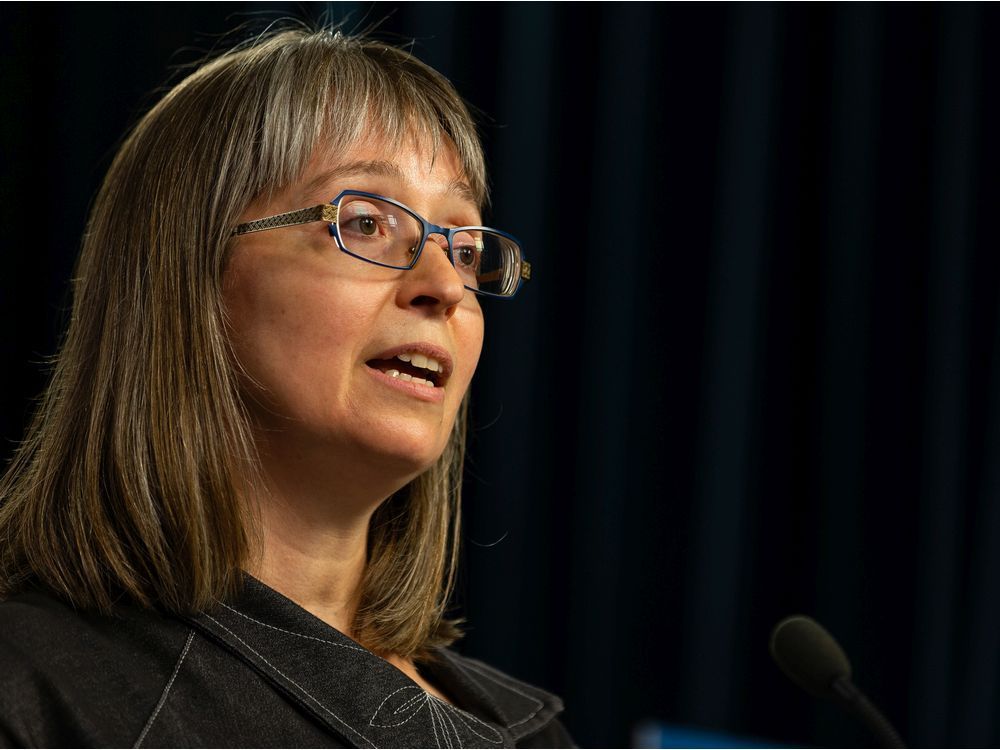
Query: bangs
[333,92]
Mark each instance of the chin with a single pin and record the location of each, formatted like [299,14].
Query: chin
[408,451]
[412,460]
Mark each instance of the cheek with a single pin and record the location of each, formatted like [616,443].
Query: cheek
[290,333]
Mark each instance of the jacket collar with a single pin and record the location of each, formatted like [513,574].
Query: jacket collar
[521,709]
[360,697]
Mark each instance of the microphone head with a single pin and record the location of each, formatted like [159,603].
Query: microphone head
[809,655]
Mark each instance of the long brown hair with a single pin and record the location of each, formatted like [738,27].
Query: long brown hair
[128,482]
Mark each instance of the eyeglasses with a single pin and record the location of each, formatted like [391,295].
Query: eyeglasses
[382,231]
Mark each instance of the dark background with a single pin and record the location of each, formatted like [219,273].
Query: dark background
[757,371]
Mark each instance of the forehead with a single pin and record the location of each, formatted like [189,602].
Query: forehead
[413,166]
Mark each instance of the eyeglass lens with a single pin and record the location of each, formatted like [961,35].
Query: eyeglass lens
[387,234]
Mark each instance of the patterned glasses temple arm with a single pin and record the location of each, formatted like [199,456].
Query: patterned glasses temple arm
[325,212]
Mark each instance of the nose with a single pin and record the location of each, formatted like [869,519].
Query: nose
[432,284]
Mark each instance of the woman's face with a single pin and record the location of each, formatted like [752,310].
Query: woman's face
[317,330]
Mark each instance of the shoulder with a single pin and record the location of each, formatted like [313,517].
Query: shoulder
[528,712]
[64,673]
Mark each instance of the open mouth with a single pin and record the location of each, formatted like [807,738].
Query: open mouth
[413,367]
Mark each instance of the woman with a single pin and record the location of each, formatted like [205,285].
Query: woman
[234,520]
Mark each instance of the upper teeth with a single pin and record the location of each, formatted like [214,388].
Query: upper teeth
[420,360]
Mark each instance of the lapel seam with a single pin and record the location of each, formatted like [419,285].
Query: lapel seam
[290,680]
[292,632]
[539,704]
[166,690]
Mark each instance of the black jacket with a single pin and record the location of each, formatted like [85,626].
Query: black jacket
[261,672]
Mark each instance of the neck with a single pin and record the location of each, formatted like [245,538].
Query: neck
[320,569]
[315,532]
[315,541]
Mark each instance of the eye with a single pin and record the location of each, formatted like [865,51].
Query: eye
[366,226]
[466,256]
[367,219]
[468,250]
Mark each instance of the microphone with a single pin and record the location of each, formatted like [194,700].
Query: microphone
[814,661]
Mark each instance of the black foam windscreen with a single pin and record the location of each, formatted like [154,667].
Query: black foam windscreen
[809,655]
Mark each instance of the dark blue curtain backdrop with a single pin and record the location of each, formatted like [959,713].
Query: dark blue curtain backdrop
[757,371]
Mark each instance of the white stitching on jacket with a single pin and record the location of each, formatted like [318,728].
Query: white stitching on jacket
[166,690]
[261,656]
[435,707]
[292,632]
[445,715]
[371,721]
[422,695]
[440,712]
[463,715]
[495,679]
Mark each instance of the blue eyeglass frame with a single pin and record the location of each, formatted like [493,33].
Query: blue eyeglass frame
[330,213]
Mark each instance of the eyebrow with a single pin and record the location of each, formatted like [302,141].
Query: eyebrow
[377,168]
[462,190]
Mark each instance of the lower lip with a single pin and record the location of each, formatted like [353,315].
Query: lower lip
[421,392]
